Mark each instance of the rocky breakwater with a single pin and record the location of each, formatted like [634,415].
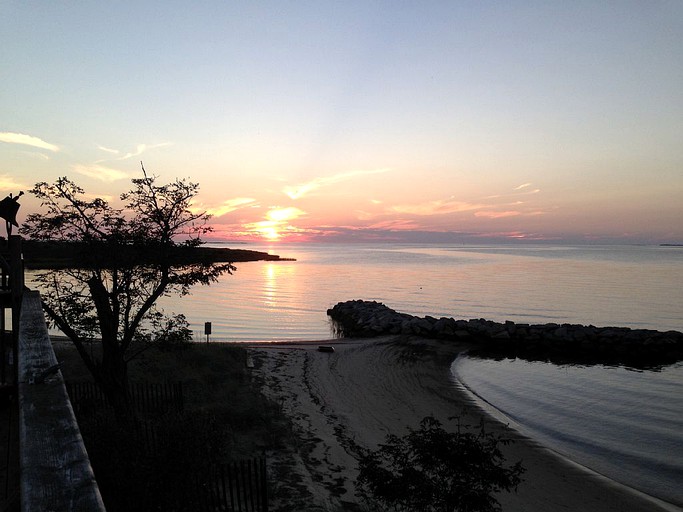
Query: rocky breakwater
[555,342]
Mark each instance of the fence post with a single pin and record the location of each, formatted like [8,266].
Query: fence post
[264,485]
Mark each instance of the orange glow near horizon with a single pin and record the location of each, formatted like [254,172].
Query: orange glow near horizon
[266,229]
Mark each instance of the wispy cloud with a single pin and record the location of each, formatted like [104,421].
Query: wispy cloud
[100,172]
[517,191]
[141,148]
[497,215]
[9,183]
[299,191]
[489,207]
[438,207]
[36,155]
[230,205]
[395,225]
[27,140]
[109,150]
[516,235]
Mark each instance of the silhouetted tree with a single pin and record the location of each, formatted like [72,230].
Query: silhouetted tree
[124,261]
[430,469]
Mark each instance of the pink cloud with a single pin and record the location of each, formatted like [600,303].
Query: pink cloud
[497,215]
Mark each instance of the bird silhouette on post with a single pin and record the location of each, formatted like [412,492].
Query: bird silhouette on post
[9,207]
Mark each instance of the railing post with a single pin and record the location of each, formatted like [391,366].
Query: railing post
[16,281]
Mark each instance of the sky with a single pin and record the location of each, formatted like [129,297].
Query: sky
[424,121]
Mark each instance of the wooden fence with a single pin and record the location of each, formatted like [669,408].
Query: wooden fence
[234,487]
[238,486]
[148,398]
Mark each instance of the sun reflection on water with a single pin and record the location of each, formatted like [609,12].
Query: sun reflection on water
[270,285]
[278,284]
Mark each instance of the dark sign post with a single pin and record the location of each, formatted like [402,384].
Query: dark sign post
[207,330]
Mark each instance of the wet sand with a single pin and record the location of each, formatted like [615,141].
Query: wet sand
[368,388]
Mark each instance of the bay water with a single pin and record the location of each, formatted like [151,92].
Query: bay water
[623,423]
[627,286]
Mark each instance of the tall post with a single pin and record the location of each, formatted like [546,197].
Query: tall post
[16,280]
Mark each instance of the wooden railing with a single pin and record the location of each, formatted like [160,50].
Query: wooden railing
[55,469]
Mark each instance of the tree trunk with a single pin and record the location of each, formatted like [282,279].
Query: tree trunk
[113,369]
[113,379]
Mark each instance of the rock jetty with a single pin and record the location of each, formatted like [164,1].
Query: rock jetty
[559,342]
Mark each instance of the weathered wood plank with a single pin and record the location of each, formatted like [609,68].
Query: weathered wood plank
[55,470]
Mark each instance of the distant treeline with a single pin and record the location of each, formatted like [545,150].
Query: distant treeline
[53,255]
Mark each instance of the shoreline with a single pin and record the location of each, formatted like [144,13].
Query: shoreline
[367,388]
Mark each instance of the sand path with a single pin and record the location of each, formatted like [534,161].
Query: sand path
[368,388]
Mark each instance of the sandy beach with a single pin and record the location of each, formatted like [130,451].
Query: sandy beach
[368,388]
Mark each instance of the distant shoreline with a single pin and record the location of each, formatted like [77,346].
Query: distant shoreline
[39,255]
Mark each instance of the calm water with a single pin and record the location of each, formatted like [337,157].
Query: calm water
[624,424]
[623,286]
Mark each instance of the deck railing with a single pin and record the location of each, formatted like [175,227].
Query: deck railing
[55,469]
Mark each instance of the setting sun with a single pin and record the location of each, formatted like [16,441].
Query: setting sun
[271,234]
[265,229]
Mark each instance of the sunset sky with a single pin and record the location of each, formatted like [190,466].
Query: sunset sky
[458,121]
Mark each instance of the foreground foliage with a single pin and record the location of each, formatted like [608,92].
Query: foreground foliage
[431,469]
